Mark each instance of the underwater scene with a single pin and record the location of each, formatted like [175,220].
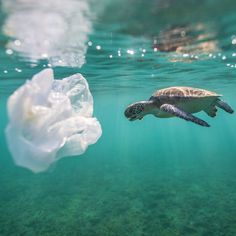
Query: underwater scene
[116,118]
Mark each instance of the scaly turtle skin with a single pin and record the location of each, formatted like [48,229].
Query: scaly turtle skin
[179,102]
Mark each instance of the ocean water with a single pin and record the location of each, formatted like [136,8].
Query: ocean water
[155,177]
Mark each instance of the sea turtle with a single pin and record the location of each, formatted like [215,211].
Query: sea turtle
[178,102]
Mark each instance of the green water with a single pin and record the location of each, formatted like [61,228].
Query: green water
[155,177]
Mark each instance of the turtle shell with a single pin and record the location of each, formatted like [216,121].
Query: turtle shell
[185,92]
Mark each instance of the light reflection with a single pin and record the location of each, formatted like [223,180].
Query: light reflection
[9,51]
[234,41]
[18,70]
[52,30]
[44,55]
[185,55]
[180,40]
[17,42]
[32,65]
[131,52]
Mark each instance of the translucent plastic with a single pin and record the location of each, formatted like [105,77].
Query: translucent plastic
[50,119]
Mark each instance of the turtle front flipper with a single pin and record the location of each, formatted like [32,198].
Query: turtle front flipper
[223,105]
[182,114]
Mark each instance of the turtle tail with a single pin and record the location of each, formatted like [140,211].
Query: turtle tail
[223,105]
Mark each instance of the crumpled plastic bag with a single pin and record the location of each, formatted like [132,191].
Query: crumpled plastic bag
[50,119]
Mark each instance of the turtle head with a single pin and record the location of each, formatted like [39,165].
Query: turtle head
[136,111]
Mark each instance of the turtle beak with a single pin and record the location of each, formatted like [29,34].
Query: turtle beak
[132,118]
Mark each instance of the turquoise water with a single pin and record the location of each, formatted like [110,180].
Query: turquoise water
[155,177]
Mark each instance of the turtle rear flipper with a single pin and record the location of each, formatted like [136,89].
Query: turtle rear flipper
[182,114]
[211,111]
[223,105]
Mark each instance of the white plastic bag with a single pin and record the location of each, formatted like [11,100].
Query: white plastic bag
[50,119]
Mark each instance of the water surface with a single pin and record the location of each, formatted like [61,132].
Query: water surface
[152,177]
